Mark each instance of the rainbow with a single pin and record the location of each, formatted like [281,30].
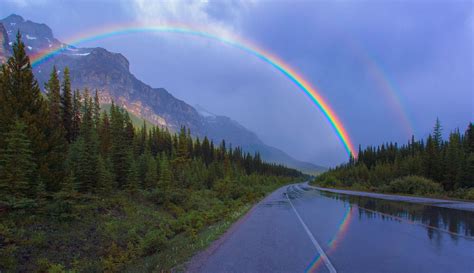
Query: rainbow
[234,41]
[334,242]
[383,81]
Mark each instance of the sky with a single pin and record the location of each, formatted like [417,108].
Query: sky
[388,69]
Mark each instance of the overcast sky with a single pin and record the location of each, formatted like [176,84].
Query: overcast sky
[387,68]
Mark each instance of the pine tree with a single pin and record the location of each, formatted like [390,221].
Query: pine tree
[151,175]
[67,110]
[96,109]
[76,115]
[105,181]
[16,163]
[132,174]
[469,139]
[86,152]
[165,174]
[454,158]
[104,135]
[53,89]
[120,146]
[23,102]
[437,135]
[55,135]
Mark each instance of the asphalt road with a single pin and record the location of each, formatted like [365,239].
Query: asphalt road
[299,228]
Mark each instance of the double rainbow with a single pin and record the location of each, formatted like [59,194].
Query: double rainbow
[236,42]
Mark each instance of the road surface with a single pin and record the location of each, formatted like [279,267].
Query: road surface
[299,228]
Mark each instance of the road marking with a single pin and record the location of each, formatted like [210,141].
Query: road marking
[323,255]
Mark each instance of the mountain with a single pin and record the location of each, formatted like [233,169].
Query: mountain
[109,73]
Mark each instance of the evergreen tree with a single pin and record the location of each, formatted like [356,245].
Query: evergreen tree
[23,102]
[104,135]
[437,135]
[16,163]
[151,175]
[67,110]
[53,89]
[76,115]
[165,174]
[469,138]
[454,158]
[96,109]
[119,146]
[105,181]
[55,135]
[132,174]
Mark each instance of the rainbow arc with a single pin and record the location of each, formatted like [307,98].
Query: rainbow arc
[236,42]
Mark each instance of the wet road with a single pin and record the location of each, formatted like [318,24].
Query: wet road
[301,229]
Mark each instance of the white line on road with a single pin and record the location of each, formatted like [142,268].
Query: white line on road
[323,255]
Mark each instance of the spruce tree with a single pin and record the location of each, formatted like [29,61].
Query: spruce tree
[53,89]
[105,177]
[151,175]
[454,158]
[67,110]
[96,109]
[16,163]
[23,102]
[55,134]
[76,115]
[132,174]
[104,135]
[165,174]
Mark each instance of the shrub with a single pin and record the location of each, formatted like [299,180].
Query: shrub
[153,242]
[327,180]
[470,194]
[413,185]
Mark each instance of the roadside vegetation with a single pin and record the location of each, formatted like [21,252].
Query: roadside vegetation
[83,190]
[431,167]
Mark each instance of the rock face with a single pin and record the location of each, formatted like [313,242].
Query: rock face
[5,48]
[107,72]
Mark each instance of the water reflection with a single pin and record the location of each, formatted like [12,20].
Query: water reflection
[436,220]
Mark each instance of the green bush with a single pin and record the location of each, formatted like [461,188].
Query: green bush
[413,185]
[328,180]
[470,194]
[153,242]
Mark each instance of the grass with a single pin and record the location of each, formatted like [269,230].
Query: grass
[119,232]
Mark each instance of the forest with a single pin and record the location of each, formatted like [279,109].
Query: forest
[83,190]
[430,167]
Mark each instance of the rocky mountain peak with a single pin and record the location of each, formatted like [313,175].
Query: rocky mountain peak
[37,37]
[115,59]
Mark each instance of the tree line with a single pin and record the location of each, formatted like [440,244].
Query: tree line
[63,142]
[443,165]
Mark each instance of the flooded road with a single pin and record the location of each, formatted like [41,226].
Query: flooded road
[302,229]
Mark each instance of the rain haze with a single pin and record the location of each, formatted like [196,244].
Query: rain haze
[387,71]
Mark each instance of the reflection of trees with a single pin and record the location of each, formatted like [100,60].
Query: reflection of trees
[437,220]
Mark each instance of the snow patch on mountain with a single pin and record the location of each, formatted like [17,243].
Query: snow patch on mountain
[81,54]
[30,37]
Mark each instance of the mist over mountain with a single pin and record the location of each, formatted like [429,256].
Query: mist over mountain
[109,73]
